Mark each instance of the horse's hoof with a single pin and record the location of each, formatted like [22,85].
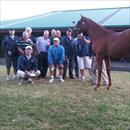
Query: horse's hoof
[108,87]
[95,88]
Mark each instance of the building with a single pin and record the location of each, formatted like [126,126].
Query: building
[116,19]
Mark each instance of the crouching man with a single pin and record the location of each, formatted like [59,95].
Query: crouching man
[27,66]
[56,56]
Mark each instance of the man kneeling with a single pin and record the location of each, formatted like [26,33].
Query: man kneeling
[27,66]
[56,56]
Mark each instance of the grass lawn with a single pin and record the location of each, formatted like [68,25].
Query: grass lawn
[65,106]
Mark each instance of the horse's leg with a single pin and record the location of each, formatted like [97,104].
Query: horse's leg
[107,62]
[99,64]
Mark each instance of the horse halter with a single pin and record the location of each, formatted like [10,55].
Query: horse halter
[77,28]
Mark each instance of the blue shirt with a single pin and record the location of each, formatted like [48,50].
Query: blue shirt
[56,54]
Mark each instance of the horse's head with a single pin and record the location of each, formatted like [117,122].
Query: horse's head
[81,26]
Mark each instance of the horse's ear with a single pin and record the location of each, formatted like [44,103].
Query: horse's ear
[81,16]
[73,22]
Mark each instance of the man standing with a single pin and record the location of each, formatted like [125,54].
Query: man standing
[94,71]
[9,45]
[58,34]
[29,31]
[56,58]
[33,39]
[83,54]
[43,44]
[27,66]
[52,36]
[23,42]
[67,42]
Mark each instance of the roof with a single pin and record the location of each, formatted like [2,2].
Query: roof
[108,17]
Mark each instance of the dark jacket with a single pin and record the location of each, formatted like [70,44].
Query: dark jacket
[68,45]
[33,39]
[82,49]
[51,40]
[26,64]
[92,52]
[9,44]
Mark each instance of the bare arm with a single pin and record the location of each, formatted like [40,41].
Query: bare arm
[37,46]
[87,41]
[20,50]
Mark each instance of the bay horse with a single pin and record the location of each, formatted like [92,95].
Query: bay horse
[105,43]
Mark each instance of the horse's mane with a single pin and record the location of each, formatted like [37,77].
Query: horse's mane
[94,23]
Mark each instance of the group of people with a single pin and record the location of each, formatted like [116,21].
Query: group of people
[32,56]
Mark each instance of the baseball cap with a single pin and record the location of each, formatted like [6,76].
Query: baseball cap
[28,47]
[56,39]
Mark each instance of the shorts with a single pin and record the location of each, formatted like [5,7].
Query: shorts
[84,62]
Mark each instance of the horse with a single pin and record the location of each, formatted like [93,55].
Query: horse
[106,44]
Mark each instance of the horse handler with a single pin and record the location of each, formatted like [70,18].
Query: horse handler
[94,72]
[27,66]
[56,54]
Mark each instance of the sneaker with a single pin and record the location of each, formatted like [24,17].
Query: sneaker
[19,83]
[30,81]
[14,77]
[83,79]
[51,80]
[7,77]
[62,80]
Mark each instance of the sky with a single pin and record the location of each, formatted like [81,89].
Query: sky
[14,9]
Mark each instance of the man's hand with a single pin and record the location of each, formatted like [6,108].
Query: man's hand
[27,72]
[66,59]
[30,73]
[9,53]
